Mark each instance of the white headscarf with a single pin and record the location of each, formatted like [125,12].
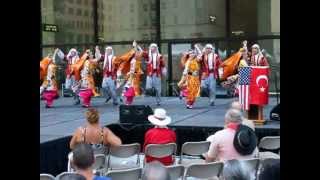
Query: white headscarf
[258,48]
[210,46]
[73,58]
[106,56]
[157,50]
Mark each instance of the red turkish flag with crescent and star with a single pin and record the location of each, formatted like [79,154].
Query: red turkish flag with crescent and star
[259,85]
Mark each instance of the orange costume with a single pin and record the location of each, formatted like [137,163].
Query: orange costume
[190,79]
[130,69]
[83,69]
[49,87]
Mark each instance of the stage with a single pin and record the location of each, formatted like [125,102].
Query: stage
[64,118]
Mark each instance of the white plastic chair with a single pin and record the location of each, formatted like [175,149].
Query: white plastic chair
[65,175]
[269,143]
[160,150]
[132,174]
[253,165]
[176,171]
[46,177]
[120,157]
[204,171]
[99,163]
[193,149]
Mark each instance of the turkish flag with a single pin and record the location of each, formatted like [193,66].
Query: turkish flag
[259,85]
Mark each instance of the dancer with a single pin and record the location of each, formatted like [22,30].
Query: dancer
[130,70]
[257,58]
[155,70]
[191,80]
[230,68]
[83,70]
[210,62]
[129,93]
[71,58]
[49,88]
[109,75]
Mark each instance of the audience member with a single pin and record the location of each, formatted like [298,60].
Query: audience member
[245,121]
[83,159]
[93,133]
[160,134]
[222,146]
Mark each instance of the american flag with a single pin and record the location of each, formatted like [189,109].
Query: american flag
[244,83]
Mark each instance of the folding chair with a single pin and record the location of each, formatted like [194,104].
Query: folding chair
[132,174]
[193,149]
[160,150]
[99,163]
[119,153]
[176,171]
[253,165]
[204,171]
[46,177]
[66,175]
[269,143]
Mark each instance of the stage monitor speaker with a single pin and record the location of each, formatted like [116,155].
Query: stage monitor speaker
[135,114]
[275,113]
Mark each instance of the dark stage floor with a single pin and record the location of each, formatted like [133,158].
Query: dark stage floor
[62,120]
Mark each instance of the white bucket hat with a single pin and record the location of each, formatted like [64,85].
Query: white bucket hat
[159,118]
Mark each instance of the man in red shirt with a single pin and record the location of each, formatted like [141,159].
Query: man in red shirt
[160,134]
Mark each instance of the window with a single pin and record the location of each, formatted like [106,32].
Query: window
[87,38]
[175,4]
[163,20]
[132,8]
[79,12]
[86,2]
[79,2]
[79,40]
[86,13]
[153,6]
[110,7]
[81,25]
[110,18]
[70,11]
[175,19]
[145,22]
[145,7]
[70,1]
[71,38]
[163,5]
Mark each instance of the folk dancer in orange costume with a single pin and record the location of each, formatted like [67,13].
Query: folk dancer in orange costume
[49,87]
[210,62]
[229,69]
[83,70]
[191,78]
[130,71]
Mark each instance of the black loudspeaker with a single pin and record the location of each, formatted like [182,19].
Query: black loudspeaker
[135,114]
[275,113]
